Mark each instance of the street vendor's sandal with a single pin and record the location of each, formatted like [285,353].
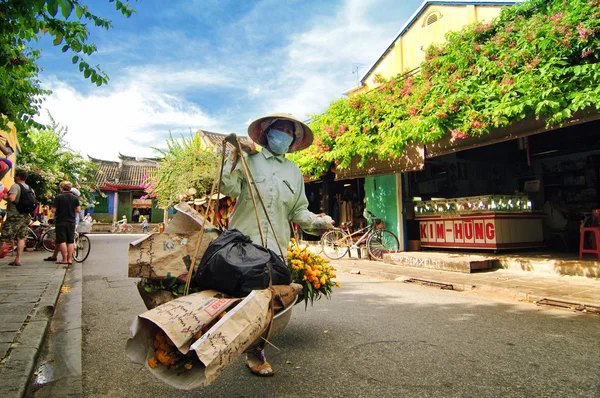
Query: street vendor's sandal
[50,259]
[258,366]
[14,264]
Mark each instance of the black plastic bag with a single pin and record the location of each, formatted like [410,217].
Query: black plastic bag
[232,264]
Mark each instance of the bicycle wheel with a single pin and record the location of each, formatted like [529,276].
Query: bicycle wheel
[49,239]
[381,242]
[82,248]
[31,241]
[335,244]
[129,228]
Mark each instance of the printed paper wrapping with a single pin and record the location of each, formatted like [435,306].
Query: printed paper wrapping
[217,348]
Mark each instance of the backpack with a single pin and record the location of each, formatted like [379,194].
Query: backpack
[27,203]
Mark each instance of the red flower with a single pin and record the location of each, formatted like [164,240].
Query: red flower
[457,135]
[583,32]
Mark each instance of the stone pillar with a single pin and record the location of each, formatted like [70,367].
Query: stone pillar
[116,207]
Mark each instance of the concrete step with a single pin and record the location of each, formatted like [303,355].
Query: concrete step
[466,263]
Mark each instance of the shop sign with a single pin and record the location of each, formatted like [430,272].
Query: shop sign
[475,231]
[485,231]
[146,203]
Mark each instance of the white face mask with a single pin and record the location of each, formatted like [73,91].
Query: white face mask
[279,142]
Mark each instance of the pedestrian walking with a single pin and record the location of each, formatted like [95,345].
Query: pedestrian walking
[144,224]
[281,186]
[21,203]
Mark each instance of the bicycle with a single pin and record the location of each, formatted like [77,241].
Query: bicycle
[118,228]
[40,234]
[82,247]
[337,242]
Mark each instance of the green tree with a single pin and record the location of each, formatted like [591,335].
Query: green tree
[540,59]
[48,160]
[23,22]
[187,169]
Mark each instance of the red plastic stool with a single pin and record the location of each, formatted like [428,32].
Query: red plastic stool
[596,232]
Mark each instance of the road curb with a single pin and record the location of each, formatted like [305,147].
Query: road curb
[48,300]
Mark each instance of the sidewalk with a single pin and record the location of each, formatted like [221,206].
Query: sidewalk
[28,296]
[573,292]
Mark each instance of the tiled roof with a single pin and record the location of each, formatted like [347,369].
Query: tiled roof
[132,174]
[107,171]
[215,140]
[129,171]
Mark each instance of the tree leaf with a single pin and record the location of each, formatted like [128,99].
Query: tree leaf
[52,7]
[66,7]
[76,45]
[58,38]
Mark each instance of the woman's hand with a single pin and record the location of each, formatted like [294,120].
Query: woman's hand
[324,222]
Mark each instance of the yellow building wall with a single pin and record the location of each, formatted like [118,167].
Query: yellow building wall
[408,51]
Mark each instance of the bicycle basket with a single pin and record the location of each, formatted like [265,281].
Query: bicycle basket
[84,227]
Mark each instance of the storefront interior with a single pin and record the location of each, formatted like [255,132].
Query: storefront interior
[559,168]
[342,200]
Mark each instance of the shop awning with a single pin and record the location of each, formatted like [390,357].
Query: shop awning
[412,159]
[513,131]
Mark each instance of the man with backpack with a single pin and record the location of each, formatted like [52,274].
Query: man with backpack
[21,206]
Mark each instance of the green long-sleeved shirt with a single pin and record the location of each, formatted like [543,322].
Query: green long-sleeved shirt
[281,186]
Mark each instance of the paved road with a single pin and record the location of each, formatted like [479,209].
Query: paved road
[375,338]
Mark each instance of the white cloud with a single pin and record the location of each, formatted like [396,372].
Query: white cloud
[319,61]
[126,120]
[174,79]
[145,101]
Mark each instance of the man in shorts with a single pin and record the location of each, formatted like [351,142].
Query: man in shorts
[66,208]
[15,226]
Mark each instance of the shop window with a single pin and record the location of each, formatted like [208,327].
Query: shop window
[101,205]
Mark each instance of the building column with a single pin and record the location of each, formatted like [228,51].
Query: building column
[116,206]
[401,219]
